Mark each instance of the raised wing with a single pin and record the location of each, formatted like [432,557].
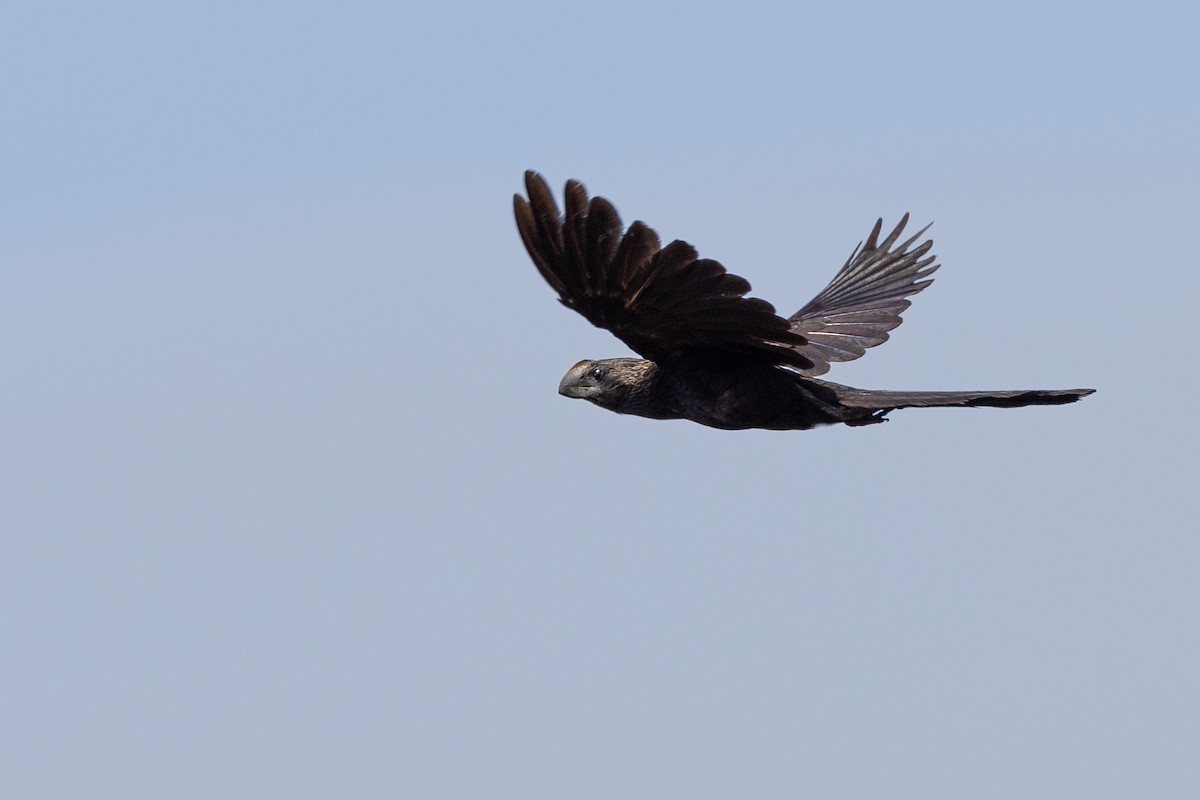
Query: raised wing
[664,302]
[865,299]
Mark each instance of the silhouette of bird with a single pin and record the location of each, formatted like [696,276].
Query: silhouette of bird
[710,353]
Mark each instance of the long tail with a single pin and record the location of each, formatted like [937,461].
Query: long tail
[868,406]
[880,400]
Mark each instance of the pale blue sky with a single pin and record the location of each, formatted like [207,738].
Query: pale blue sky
[290,508]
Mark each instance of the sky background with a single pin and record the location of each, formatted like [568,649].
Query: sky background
[289,505]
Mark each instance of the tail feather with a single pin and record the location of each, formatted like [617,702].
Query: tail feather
[885,401]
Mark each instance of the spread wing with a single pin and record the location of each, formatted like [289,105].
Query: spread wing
[664,302]
[865,299]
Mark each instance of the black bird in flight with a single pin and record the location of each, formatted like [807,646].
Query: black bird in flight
[713,355]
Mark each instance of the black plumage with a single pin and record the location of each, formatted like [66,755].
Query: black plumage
[712,354]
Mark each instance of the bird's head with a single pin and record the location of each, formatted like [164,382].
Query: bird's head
[606,383]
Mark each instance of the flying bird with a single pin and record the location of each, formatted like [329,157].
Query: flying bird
[710,353]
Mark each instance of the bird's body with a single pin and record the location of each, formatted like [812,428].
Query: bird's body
[714,356]
[730,396]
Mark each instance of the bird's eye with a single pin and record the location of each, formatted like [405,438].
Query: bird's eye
[598,373]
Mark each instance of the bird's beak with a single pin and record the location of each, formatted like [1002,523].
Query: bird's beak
[572,384]
[567,387]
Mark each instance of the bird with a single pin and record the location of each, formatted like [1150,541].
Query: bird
[710,353]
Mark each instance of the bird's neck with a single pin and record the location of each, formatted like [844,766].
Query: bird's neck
[648,393]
